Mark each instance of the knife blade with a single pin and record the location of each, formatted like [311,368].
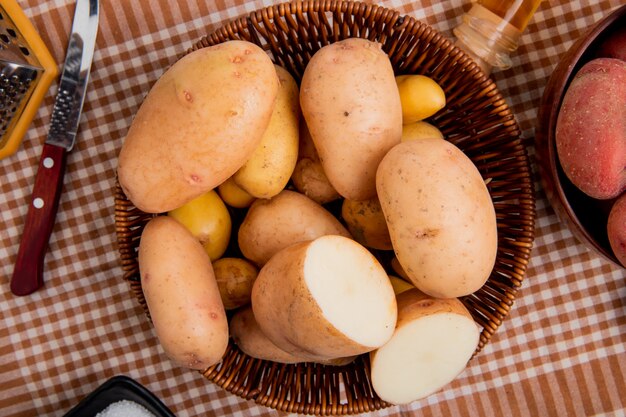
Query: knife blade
[28,272]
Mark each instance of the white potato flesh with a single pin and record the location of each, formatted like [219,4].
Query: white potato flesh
[351,289]
[423,356]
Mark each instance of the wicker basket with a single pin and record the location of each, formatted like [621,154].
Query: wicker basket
[476,119]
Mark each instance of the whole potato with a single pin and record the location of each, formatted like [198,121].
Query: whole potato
[350,102]
[233,195]
[590,130]
[208,219]
[268,170]
[366,223]
[308,176]
[235,278]
[421,97]
[198,125]
[440,216]
[616,229]
[288,218]
[614,46]
[419,130]
[181,294]
[249,337]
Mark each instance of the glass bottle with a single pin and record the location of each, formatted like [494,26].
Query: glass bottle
[490,30]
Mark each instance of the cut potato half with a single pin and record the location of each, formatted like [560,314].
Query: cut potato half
[433,341]
[324,299]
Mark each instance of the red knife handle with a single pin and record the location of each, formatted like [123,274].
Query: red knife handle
[28,273]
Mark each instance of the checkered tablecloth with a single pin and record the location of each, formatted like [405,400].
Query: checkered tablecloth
[561,351]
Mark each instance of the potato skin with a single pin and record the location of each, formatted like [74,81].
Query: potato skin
[288,314]
[249,337]
[351,104]
[182,295]
[288,218]
[440,216]
[366,223]
[269,168]
[235,277]
[591,129]
[616,229]
[308,176]
[185,139]
[253,342]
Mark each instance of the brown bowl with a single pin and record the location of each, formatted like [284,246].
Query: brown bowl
[476,119]
[586,217]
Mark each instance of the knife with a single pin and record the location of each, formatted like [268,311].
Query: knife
[28,273]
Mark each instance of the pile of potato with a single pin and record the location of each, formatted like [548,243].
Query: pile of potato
[591,134]
[225,130]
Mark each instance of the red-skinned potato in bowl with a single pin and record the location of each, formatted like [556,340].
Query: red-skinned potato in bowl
[591,129]
[616,229]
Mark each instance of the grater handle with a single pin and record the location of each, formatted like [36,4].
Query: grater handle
[28,272]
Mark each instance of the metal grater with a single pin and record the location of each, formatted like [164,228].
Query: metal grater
[16,86]
[26,72]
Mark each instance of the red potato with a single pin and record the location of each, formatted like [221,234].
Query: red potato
[433,341]
[182,294]
[325,299]
[616,229]
[591,129]
[614,46]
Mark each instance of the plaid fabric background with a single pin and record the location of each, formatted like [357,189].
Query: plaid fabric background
[562,350]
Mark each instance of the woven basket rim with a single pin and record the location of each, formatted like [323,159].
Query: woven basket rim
[260,380]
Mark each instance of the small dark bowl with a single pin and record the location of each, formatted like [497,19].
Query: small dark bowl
[119,388]
[586,217]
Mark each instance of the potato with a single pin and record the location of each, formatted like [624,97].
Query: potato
[418,130]
[252,341]
[200,122]
[181,294]
[591,129]
[268,170]
[444,231]
[616,229]
[233,195]
[235,278]
[614,46]
[397,268]
[208,219]
[290,217]
[351,105]
[421,97]
[248,336]
[366,223]
[324,299]
[308,176]
[433,341]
